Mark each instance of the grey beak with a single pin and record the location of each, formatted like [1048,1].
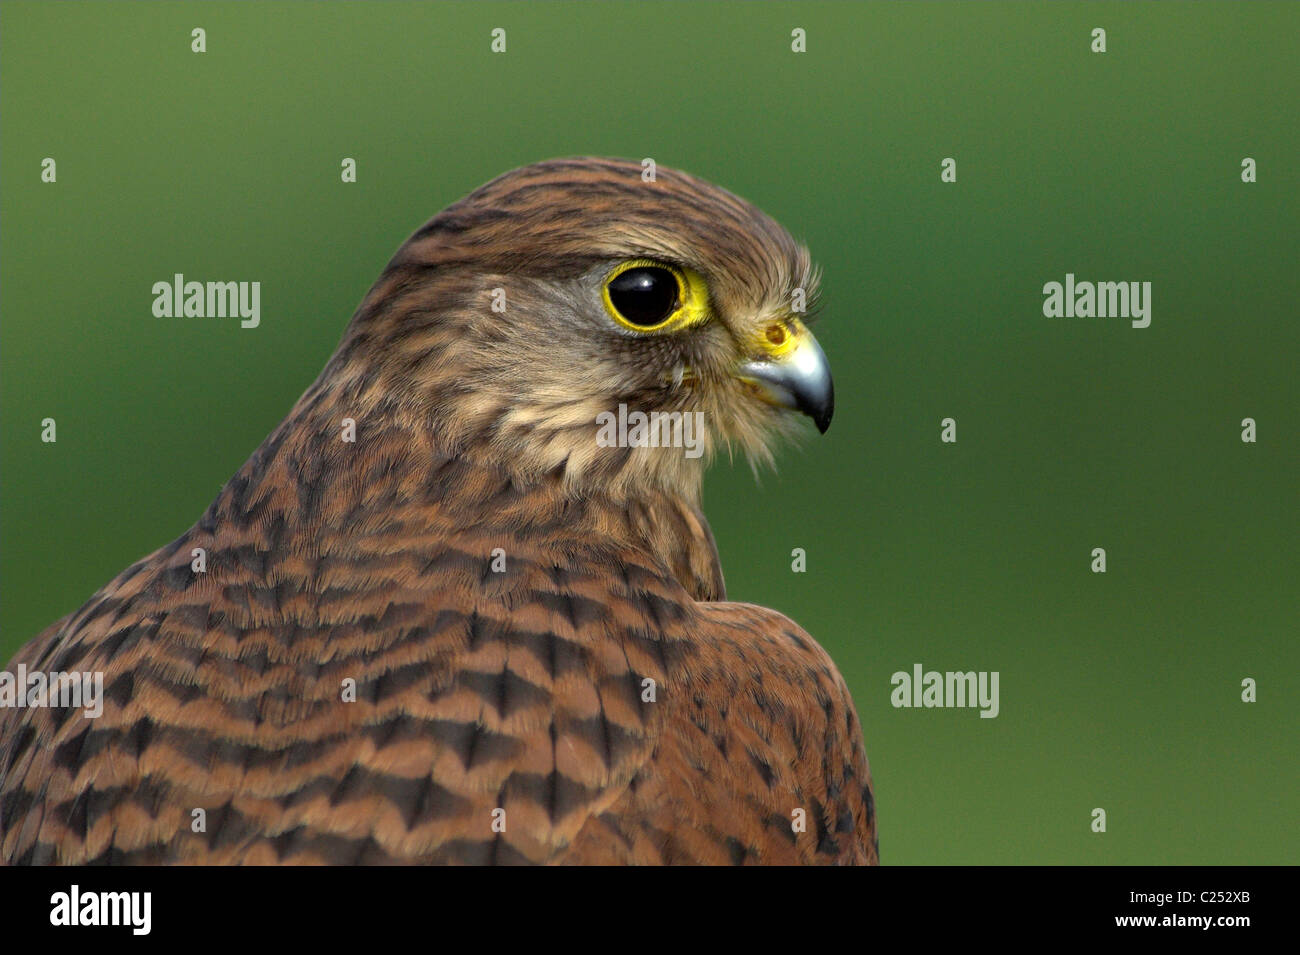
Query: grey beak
[799,380]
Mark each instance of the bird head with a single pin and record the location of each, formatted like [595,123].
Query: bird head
[569,294]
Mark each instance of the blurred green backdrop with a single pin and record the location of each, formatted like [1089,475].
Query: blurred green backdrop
[1119,691]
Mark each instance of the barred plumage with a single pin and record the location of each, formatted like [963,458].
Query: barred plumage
[525,689]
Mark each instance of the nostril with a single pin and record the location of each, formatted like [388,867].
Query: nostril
[776,334]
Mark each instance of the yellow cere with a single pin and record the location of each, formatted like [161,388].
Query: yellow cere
[779,337]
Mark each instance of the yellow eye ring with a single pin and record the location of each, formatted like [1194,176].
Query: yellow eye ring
[646,296]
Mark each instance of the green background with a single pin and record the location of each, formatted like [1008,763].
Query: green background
[1119,691]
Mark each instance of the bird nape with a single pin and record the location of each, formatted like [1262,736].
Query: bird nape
[462,605]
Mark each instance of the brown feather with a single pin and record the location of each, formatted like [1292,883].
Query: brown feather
[476,691]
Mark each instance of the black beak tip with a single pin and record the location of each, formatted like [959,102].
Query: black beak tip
[822,408]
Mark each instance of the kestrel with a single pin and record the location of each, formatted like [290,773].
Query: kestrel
[438,617]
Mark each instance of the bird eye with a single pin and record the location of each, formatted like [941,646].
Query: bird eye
[643,295]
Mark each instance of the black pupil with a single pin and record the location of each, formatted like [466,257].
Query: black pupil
[645,295]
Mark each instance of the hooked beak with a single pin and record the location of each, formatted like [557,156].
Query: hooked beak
[795,375]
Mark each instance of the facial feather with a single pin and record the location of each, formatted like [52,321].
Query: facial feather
[489,322]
